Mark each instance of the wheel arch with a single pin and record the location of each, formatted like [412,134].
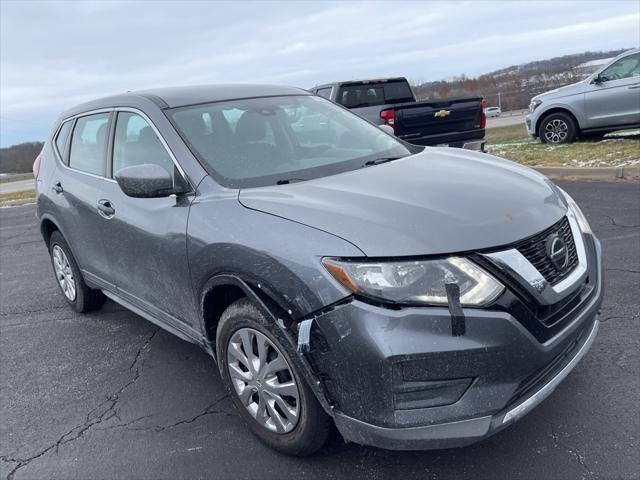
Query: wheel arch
[47,226]
[222,290]
[229,288]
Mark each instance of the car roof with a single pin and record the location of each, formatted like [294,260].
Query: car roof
[363,81]
[171,97]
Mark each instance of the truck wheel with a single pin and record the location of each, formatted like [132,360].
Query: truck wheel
[557,128]
[269,393]
[76,292]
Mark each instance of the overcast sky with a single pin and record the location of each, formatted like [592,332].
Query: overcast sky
[56,54]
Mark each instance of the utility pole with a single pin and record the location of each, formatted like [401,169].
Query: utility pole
[500,100]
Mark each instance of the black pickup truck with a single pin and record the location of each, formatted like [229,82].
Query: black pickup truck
[456,122]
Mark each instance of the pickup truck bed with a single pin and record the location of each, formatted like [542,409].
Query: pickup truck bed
[456,122]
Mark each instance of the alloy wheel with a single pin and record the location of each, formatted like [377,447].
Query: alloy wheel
[64,274]
[263,380]
[556,131]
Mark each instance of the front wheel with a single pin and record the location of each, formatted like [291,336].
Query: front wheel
[269,393]
[558,128]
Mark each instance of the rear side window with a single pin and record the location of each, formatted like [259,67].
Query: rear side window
[136,143]
[89,143]
[354,96]
[324,92]
[61,138]
[370,94]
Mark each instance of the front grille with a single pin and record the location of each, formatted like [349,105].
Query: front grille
[534,249]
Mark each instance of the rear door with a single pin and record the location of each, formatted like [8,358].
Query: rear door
[77,184]
[145,238]
[616,100]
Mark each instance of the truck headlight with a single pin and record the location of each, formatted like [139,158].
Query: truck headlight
[534,104]
[575,209]
[416,282]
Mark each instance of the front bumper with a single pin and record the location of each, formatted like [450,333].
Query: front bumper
[458,433]
[399,379]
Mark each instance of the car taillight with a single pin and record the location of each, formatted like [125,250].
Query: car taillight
[389,117]
[483,115]
[36,165]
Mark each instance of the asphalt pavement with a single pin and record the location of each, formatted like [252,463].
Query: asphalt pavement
[108,395]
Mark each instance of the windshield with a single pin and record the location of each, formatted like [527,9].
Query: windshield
[266,141]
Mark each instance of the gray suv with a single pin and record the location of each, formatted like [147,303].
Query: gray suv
[604,102]
[414,297]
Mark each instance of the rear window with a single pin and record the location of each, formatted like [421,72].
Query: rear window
[371,94]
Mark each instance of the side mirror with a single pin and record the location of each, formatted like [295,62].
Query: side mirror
[597,80]
[387,129]
[145,181]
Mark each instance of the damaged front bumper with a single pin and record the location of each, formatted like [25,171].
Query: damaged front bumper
[458,433]
[399,379]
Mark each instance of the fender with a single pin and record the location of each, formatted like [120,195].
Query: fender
[285,334]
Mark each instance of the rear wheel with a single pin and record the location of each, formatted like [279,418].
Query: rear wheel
[557,128]
[76,292]
[269,393]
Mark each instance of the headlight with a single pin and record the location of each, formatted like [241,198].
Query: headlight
[575,209]
[416,282]
[534,104]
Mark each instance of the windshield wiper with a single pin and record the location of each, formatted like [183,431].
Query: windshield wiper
[378,161]
[286,181]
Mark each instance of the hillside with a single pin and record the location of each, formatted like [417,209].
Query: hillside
[19,158]
[513,87]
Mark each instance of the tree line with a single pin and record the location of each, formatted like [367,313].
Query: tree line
[19,158]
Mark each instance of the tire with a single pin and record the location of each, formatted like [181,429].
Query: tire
[558,128]
[69,278]
[301,434]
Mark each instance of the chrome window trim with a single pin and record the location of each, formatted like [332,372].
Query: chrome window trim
[516,264]
[160,137]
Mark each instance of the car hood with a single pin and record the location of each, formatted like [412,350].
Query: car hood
[567,90]
[442,200]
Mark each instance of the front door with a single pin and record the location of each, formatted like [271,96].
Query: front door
[615,99]
[145,238]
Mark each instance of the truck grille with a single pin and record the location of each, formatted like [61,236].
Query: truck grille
[534,249]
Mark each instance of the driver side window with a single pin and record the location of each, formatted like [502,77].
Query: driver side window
[626,67]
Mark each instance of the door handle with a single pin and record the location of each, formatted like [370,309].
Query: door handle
[57,187]
[634,86]
[105,208]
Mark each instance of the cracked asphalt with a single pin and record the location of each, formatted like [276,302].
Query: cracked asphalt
[108,395]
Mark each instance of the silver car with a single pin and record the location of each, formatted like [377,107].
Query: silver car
[606,101]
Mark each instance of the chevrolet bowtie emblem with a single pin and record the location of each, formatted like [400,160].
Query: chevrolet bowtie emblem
[442,113]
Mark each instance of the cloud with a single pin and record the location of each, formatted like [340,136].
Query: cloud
[57,54]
